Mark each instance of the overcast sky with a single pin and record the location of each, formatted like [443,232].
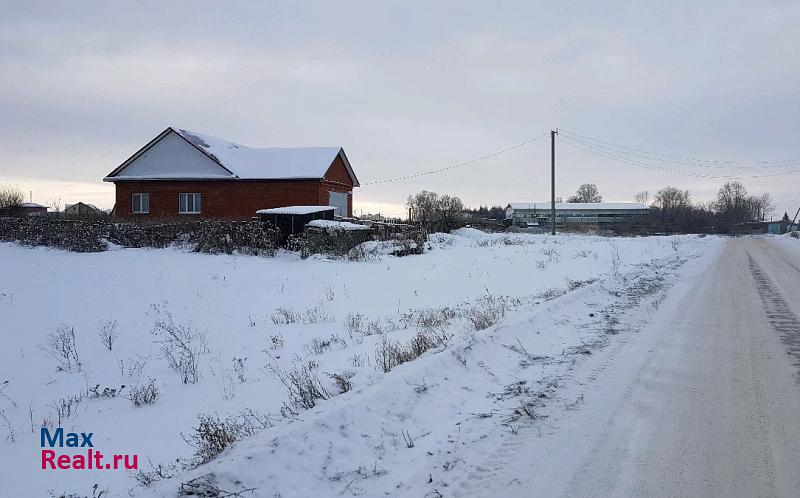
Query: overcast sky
[405,87]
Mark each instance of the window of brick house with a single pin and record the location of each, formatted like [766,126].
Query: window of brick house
[141,203]
[189,203]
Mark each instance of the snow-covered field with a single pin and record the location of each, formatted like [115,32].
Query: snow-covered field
[501,320]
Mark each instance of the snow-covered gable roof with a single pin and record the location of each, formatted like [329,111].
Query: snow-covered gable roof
[297,210]
[336,225]
[580,206]
[92,206]
[241,162]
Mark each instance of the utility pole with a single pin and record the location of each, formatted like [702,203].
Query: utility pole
[553,182]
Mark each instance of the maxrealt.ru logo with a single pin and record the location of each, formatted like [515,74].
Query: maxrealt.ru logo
[91,459]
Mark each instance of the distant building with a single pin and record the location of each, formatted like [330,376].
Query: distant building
[82,210]
[379,217]
[777,227]
[535,214]
[29,209]
[184,174]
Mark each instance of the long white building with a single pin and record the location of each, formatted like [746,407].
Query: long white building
[532,214]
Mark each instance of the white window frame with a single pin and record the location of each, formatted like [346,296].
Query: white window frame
[183,203]
[142,196]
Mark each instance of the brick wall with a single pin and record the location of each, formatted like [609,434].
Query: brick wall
[233,199]
[337,179]
[338,173]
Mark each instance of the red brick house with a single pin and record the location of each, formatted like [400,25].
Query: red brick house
[181,173]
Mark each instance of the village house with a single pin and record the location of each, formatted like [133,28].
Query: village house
[82,210]
[181,174]
[28,209]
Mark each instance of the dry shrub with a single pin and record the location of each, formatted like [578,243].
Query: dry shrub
[302,384]
[358,325]
[156,473]
[211,236]
[61,346]
[485,312]
[429,318]
[315,314]
[213,434]
[181,345]
[389,354]
[108,333]
[285,316]
[145,394]
[342,381]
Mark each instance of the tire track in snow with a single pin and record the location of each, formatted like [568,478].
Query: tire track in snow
[644,289]
[779,312]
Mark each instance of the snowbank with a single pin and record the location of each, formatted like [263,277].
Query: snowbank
[266,315]
[336,225]
[297,210]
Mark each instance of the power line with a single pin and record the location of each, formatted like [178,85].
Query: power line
[628,155]
[786,201]
[459,165]
[573,143]
[590,147]
[678,159]
[618,149]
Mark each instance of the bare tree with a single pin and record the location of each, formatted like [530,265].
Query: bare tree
[450,209]
[671,200]
[733,204]
[423,205]
[642,197]
[442,211]
[55,205]
[762,207]
[588,192]
[674,211]
[10,198]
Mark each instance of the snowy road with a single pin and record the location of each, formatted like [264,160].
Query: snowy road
[706,403]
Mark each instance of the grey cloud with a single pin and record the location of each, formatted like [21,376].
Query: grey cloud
[405,86]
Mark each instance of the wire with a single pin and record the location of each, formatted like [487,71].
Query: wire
[590,147]
[677,159]
[459,165]
[787,201]
[576,144]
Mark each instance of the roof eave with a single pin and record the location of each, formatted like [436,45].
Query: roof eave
[205,152]
[114,179]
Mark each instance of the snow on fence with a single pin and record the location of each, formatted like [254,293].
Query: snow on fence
[356,241]
[339,239]
[212,236]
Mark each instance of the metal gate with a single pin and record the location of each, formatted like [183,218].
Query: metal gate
[339,201]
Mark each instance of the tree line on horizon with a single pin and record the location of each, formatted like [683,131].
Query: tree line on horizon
[671,208]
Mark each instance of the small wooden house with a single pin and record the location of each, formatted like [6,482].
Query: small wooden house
[82,210]
[29,209]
